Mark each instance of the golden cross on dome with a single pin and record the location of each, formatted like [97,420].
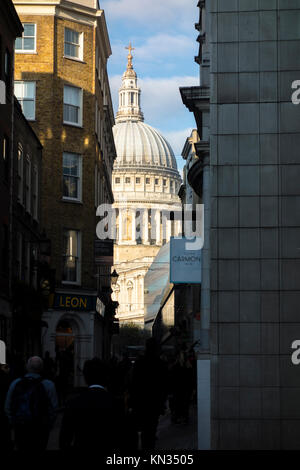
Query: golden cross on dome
[130,48]
[129,57]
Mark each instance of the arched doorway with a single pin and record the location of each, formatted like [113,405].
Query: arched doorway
[65,357]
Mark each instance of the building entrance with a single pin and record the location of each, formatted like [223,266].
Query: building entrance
[65,358]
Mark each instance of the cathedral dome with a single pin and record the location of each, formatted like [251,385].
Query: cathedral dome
[138,144]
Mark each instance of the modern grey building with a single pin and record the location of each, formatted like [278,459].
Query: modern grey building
[249,58]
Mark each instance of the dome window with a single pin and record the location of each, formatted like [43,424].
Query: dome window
[127,180]
[138,180]
[165,182]
[117,180]
[147,180]
[156,181]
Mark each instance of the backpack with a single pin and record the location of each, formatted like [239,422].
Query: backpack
[30,403]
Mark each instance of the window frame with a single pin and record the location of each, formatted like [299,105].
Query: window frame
[27,51]
[21,100]
[5,156]
[27,260]
[35,193]
[79,45]
[80,107]
[19,255]
[78,266]
[20,168]
[7,71]
[27,185]
[79,177]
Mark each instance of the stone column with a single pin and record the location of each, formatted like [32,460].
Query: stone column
[120,225]
[145,230]
[168,230]
[133,225]
[157,227]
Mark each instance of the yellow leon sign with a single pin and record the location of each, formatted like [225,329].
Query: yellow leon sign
[74,302]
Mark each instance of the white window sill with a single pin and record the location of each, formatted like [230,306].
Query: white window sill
[76,59]
[25,52]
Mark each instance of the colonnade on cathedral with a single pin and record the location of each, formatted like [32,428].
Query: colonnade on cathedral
[147,226]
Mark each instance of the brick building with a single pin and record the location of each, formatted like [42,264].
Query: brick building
[10,28]
[61,82]
[27,241]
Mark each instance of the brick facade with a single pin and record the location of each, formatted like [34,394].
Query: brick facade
[10,28]
[51,71]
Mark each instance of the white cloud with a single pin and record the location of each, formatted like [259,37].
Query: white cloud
[160,98]
[177,140]
[154,13]
[156,49]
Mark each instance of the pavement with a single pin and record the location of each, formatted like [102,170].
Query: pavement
[169,436]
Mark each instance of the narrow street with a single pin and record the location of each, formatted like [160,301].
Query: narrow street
[169,436]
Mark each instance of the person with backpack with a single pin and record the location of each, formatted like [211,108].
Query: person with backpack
[31,405]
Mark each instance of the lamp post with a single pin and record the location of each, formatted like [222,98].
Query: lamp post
[114,277]
[109,313]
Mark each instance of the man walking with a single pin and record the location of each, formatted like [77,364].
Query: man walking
[31,405]
[148,393]
[91,422]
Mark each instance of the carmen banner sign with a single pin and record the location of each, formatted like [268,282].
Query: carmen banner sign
[185,265]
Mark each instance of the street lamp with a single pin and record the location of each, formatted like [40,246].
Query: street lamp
[114,277]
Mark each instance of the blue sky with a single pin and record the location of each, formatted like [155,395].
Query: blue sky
[163,34]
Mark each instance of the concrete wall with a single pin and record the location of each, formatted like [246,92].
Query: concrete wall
[255,196]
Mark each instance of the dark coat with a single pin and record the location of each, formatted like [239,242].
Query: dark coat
[90,422]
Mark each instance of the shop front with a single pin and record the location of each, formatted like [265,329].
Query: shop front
[73,333]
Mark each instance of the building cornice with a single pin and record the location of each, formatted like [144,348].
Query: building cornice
[63,9]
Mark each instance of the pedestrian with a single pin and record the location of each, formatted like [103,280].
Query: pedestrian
[62,377]
[181,388]
[49,367]
[148,393]
[90,422]
[31,405]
